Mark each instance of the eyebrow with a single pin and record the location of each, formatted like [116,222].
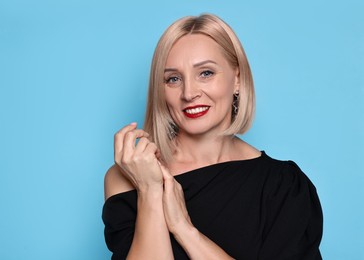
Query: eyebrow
[169,69]
[198,64]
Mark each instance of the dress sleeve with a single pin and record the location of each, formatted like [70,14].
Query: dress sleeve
[119,215]
[293,228]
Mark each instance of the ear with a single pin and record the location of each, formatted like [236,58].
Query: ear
[237,80]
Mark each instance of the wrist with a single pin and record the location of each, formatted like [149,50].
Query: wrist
[185,232]
[151,194]
[150,201]
[150,190]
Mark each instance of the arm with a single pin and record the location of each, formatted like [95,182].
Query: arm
[196,245]
[137,166]
[293,226]
[151,237]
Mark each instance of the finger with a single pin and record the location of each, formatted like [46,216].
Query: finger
[178,186]
[164,170]
[130,138]
[158,154]
[119,137]
[181,193]
[151,148]
[168,179]
[141,145]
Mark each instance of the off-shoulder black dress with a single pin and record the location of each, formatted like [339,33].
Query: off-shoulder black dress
[260,208]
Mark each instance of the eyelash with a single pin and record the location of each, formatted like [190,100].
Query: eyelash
[209,72]
[174,79]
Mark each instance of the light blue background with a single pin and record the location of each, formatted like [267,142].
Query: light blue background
[73,72]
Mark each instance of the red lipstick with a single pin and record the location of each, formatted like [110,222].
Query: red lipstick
[196,111]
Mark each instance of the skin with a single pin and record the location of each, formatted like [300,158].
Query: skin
[196,74]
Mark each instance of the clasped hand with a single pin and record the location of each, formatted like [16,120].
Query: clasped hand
[139,162]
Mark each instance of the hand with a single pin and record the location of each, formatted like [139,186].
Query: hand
[137,160]
[174,205]
[195,244]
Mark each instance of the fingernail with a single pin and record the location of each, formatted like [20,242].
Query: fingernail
[133,123]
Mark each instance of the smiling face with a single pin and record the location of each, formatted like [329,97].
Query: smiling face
[199,86]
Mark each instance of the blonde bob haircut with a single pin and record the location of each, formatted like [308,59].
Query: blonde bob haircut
[158,121]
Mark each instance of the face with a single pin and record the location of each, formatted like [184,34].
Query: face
[199,86]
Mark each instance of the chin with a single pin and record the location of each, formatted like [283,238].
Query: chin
[202,131]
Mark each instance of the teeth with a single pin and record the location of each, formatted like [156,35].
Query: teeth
[196,110]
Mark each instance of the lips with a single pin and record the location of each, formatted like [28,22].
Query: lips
[196,111]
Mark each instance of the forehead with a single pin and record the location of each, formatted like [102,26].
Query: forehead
[194,48]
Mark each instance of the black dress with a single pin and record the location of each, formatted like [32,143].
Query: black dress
[260,208]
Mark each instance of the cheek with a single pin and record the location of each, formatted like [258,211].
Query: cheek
[169,98]
[172,99]
[224,91]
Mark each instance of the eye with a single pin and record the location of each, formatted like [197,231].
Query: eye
[206,73]
[173,80]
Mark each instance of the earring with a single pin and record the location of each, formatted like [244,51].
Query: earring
[235,103]
[173,130]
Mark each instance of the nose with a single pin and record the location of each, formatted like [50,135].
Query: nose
[191,90]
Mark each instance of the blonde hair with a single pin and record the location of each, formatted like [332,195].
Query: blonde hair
[158,121]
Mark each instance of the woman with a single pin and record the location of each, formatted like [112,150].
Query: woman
[186,186]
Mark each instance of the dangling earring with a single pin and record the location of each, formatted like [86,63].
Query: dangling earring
[235,103]
[173,130]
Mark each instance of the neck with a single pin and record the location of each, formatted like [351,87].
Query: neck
[205,150]
[194,152]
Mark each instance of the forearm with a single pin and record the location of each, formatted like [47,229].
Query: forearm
[198,246]
[151,237]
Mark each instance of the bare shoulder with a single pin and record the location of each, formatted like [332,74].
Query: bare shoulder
[247,151]
[115,182]
[252,152]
